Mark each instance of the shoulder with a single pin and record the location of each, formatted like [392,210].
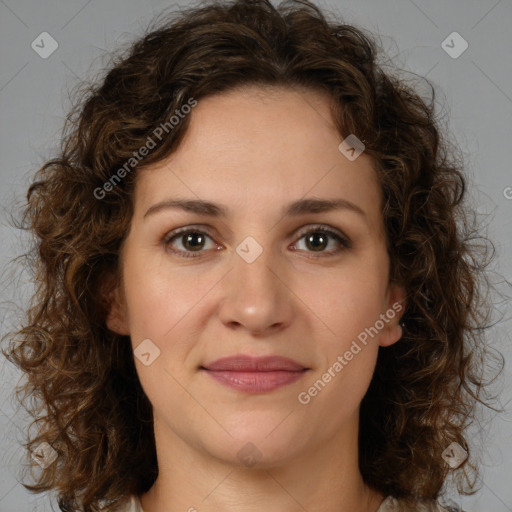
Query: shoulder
[391,504]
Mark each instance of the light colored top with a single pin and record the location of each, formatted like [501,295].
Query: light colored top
[390,504]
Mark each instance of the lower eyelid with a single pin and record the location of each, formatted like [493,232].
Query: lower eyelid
[341,240]
[342,245]
[176,236]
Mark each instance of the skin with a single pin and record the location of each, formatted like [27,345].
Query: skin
[255,151]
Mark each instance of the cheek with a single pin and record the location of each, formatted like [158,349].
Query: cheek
[159,295]
[347,353]
[160,301]
[347,300]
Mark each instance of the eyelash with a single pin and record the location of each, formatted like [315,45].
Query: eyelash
[344,242]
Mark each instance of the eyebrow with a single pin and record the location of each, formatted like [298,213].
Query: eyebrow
[299,207]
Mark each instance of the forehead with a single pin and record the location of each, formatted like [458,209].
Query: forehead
[258,149]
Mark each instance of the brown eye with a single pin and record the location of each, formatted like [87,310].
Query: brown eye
[191,241]
[317,240]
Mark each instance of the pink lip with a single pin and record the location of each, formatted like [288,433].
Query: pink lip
[242,363]
[255,374]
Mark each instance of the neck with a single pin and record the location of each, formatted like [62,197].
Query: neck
[326,478]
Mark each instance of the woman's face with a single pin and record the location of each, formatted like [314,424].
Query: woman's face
[251,281]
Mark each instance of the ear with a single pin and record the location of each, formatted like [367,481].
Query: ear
[394,309]
[116,319]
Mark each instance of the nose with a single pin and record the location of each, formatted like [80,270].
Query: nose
[256,296]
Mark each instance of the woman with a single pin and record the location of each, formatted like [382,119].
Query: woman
[256,286]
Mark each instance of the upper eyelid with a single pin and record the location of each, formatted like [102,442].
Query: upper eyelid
[300,232]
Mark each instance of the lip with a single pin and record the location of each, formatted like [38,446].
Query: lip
[243,363]
[255,374]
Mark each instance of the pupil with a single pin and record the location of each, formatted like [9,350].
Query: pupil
[312,236]
[189,241]
[190,237]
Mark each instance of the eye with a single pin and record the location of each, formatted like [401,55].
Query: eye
[193,240]
[317,238]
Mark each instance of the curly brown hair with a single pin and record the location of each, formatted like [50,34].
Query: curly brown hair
[81,377]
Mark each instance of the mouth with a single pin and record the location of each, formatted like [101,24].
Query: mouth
[255,374]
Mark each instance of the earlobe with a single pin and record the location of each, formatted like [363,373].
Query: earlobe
[396,304]
[116,318]
[390,335]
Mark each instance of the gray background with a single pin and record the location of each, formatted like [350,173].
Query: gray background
[473,90]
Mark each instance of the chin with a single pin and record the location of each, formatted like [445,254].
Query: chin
[255,448]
